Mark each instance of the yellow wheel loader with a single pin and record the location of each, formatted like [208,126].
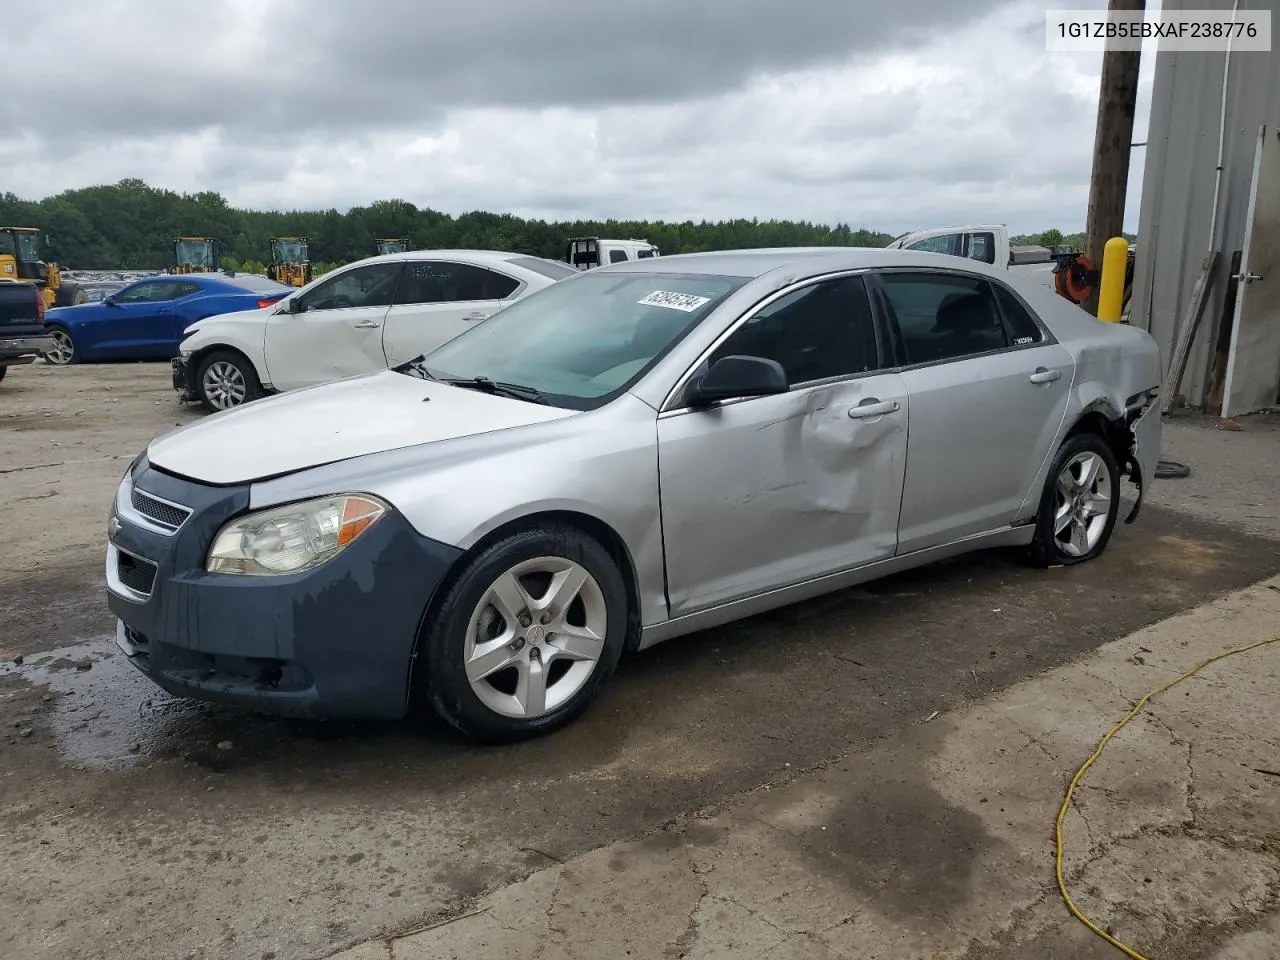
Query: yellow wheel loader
[194,255]
[290,261]
[20,261]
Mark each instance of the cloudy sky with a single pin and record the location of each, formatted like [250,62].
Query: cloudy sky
[892,115]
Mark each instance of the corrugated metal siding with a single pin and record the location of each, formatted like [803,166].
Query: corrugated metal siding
[1177,187]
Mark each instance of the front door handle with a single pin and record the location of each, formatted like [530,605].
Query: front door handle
[1043,375]
[367,325]
[871,407]
[476,316]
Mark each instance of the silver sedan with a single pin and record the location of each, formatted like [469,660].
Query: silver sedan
[624,457]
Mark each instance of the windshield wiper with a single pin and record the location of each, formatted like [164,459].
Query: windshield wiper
[497,387]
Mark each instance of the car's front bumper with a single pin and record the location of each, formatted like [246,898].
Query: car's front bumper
[184,378]
[334,641]
[14,350]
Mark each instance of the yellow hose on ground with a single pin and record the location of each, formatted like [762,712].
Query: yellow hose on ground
[1071,788]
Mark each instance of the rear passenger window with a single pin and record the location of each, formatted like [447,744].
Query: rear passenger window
[944,317]
[1022,326]
[439,281]
[817,332]
[617,256]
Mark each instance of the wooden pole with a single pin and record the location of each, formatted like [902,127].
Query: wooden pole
[1112,142]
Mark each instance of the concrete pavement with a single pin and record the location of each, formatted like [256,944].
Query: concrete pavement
[938,841]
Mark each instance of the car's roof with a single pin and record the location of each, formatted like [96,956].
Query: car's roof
[757,262]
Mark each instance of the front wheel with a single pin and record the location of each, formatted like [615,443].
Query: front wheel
[1080,503]
[63,350]
[225,380]
[526,635]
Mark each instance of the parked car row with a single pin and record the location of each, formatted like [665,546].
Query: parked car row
[612,460]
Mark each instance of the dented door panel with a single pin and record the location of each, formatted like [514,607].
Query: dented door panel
[769,491]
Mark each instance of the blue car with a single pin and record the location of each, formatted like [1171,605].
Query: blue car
[144,320]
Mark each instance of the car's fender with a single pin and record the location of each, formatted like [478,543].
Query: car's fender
[244,331]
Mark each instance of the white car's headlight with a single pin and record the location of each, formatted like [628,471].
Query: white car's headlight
[293,538]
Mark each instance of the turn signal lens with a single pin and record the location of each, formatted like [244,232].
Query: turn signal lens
[293,538]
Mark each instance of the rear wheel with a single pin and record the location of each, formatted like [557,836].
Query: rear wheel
[226,379]
[1080,503]
[69,295]
[63,350]
[526,635]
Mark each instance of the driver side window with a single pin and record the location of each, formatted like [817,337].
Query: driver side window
[819,332]
[154,291]
[369,286]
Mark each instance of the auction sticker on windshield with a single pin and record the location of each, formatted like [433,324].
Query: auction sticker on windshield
[687,302]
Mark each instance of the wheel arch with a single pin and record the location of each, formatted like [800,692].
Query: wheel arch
[593,526]
[199,355]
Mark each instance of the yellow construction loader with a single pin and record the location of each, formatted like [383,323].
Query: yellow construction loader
[290,261]
[194,255]
[20,261]
[391,246]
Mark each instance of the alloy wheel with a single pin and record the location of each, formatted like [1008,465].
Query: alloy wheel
[1083,504]
[535,637]
[223,385]
[63,350]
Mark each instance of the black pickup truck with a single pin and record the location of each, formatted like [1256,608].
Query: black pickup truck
[22,332]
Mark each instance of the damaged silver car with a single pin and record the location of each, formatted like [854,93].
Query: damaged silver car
[627,456]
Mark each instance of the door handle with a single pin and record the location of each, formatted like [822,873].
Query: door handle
[1246,277]
[1043,375]
[871,407]
[367,325]
[476,316]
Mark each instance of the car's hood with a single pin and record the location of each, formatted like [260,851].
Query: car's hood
[335,421]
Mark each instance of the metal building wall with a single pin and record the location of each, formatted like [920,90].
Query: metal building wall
[1177,185]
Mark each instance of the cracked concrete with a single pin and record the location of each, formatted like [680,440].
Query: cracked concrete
[937,842]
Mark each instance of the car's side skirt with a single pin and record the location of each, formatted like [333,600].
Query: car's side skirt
[1018,536]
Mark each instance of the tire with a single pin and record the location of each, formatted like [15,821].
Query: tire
[1086,538]
[64,352]
[502,707]
[3,371]
[69,295]
[226,380]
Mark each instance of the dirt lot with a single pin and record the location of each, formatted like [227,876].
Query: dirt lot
[136,825]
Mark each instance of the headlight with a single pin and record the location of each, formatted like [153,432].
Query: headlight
[292,538]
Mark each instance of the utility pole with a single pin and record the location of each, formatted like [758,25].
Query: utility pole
[1112,143]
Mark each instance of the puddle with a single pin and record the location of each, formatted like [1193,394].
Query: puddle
[104,711]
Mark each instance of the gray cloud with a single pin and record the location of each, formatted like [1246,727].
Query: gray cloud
[890,115]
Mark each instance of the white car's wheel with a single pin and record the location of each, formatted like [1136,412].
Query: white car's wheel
[1080,503]
[526,635]
[225,379]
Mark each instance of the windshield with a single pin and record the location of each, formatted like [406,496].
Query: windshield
[582,341]
[289,251]
[28,246]
[198,253]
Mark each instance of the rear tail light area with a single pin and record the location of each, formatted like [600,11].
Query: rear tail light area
[40,304]
[267,301]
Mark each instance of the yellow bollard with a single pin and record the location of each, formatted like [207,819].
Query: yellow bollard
[1115,256]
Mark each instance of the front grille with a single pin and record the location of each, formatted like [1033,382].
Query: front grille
[164,514]
[135,573]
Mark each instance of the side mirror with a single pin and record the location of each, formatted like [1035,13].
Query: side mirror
[291,305]
[110,301]
[738,376]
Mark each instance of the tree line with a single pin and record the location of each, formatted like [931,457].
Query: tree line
[130,226]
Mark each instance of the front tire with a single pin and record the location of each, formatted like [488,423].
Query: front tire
[64,348]
[70,295]
[525,636]
[1079,505]
[225,380]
